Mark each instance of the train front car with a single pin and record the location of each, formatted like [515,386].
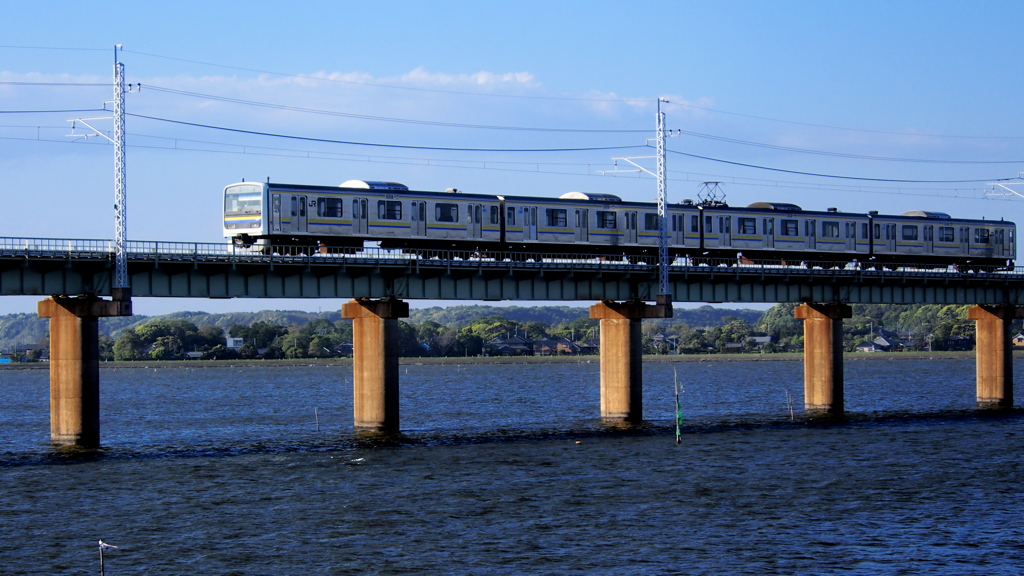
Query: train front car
[244,208]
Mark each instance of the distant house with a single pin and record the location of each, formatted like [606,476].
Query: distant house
[869,347]
[887,344]
[758,342]
[235,343]
[1018,340]
[545,347]
[512,346]
[958,343]
[566,346]
[592,346]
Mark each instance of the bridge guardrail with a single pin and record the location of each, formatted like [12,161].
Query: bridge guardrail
[11,247]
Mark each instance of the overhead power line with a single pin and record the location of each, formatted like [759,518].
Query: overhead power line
[55,48]
[573,99]
[894,180]
[562,168]
[385,118]
[12,83]
[379,145]
[52,111]
[842,154]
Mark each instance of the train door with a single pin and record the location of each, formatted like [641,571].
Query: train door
[768,231]
[725,231]
[851,236]
[418,217]
[810,234]
[474,226]
[890,238]
[530,222]
[582,227]
[965,239]
[275,212]
[928,238]
[359,218]
[297,212]
[998,236]
[630,227]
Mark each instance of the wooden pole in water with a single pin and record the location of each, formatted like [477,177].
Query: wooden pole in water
[679,412]
[317,416]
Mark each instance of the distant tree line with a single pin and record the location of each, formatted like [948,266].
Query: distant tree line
[776,330]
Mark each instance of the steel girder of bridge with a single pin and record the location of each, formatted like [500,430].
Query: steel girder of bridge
[73,267]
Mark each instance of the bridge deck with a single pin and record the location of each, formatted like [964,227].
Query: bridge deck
[42,266]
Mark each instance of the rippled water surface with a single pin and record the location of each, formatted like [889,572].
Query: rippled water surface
[505,469]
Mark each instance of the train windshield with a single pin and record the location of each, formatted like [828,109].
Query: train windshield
[246,199]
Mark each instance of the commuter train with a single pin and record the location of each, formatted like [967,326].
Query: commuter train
[341,218]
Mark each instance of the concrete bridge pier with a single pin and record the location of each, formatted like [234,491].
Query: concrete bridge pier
[823,355]
[74,365]
[622,356]
[994,354]
[375,361]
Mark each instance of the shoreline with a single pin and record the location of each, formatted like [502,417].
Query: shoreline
[414,361]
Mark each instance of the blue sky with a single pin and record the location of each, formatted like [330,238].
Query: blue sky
[865,86]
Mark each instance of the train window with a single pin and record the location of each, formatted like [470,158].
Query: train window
[389,210]
[864,230]
[510,216]
[809,228]
[295,206]
[557,217]
[708,228]
[444,212]
[606,219]
[768,226]
[694,223]
[878,231]
[981,236]
[909,232]
[999,237]
[746,225]
[946,234]
[328,207]
[929,233]
[494,214]
[652,222]
[830,229]
[790,228]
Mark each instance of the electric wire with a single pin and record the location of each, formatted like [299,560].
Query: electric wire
[819,175]
[379,145]
[65,111]
[842,154]
[577,99]
[385,118]
[19,83]
[556,168]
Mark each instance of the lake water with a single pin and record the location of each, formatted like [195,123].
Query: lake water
[506,469]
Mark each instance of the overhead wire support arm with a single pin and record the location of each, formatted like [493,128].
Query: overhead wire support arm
[121,289]
[664,292]
[994,193]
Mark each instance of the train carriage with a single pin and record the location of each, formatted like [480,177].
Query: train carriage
[937,238]
[345,217]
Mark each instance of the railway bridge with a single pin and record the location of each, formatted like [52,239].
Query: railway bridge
[76,277]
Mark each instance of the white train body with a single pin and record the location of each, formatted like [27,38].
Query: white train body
[269,214]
